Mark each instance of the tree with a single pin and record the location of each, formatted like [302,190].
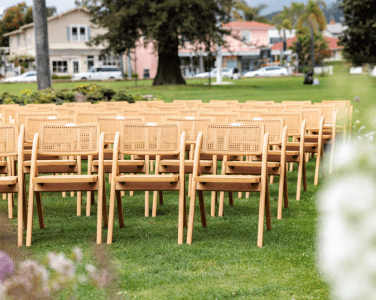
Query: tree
[243,12]
[16,16]
[321,48]
[314,16]
[41,45]
[359,39]
[167,23]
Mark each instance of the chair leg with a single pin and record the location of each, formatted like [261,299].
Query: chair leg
[146,203]
[182,216]
[271,179]
[79,203]
[30,211]
[247,194]
[88,203]
[111,215]
[240,194]
[100,211]
[267,209]
[213,202]
[285,191]
[191,215]
[24,214]
[202,208]
[299,182]
[280,195]
[104,206]
[155,200]
[160,193]
[221,203]
[40,210]
[120,209]
[260,233]
[304,177]
[185,221]
[20,217]
[10,205]
[317,169]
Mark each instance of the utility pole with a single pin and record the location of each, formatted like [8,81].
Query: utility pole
[42,56]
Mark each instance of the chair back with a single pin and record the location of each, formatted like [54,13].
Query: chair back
[69,139]
[192,126]
[274,126]
[33,123]
[22,116]
[293,120]
[219,117]
[110,125]
[8,140]
[233,139]
[150,139]
[157,116]
[84,117]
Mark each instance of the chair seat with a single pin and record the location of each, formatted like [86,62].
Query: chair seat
[66,179]
[57,162]
[228,178]
[147,178]
[8,180]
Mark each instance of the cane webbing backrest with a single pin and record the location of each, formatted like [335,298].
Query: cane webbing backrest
[216,107]
[312,117]
[191,112]
[188,103]
[62,111]
[91,116]
[273,126]
[230,102]
[76,104]
[250,114]
[134,111]
[347,102]
[293,120]
[270,102]
[326,110]
[8,139]
[298,102]
[33,123]
[170,107]
[274,108]
[69,139]
[192,126]
[219,117]
[13,111]
[151,104]
[157,116]
[233,139]
[22,116]
[150,139]
[110,125]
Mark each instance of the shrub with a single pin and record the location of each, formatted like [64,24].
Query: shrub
[61,77]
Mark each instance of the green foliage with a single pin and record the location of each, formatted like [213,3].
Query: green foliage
[321,48]
[134,75]
[359,39]
[243,12]
[57,77]
[168,23]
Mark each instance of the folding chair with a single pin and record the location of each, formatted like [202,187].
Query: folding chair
[232,139]
[148,139]
[65,140]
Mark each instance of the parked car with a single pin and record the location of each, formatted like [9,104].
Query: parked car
[267,71]
[25,77]
[99,73]
[226,73]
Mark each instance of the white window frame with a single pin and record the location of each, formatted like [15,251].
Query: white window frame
[58,71]
[73,61]
[78,26]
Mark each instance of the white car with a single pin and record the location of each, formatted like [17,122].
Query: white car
[25,77]
[267,71]
[226,73]
[99,73]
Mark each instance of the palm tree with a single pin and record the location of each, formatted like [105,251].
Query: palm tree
[248,13]
[41,45]
[314,16]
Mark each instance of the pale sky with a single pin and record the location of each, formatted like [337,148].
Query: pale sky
[63,5]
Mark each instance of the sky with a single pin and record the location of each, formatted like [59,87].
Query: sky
[63,5]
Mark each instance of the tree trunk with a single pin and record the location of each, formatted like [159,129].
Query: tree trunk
[168,72]
[312,48]
[42,56]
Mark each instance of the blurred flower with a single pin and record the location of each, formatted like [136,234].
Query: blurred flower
[61,264]
[6,266]
[101,278]
[77,254]
[357,99]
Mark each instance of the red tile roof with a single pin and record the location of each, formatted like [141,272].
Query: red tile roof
[332,43]
[247,24]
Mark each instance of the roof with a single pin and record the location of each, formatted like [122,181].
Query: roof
[19,30]
[247,24]
[332,43]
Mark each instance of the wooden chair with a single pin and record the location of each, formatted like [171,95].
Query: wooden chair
[157,116]
[219,117]
[65,140]
[276,158]
[11,145]
[148,139]
[249,114]
[85,117]
[244,140]
[190,104]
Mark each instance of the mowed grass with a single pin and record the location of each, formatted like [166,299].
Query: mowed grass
[223,261]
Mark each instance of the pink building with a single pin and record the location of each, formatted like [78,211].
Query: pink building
[242,50]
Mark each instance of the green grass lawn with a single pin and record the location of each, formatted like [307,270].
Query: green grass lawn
[223,261]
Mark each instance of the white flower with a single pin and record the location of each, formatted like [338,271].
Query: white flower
[77,252]
[60,264]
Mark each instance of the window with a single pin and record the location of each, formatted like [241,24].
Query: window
[273,41]
[109,60]
[246,36]
[78,33]
[60,66]
[90,61]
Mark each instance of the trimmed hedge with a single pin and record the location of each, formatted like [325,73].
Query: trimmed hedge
[91,92]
